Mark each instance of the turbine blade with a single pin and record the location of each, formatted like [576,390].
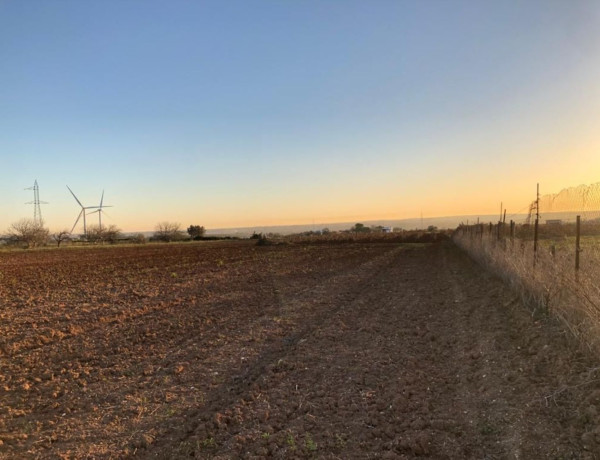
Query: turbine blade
[75,224]
[102,198]
[76,199]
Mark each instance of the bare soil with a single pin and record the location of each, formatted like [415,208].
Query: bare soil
[230,350]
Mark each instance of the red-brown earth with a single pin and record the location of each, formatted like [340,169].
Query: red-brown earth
[231,350]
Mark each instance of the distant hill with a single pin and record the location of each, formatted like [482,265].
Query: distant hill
[445,222]
[449,222]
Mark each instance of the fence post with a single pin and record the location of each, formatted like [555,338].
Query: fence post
[512,231]
[577,245]
[535,240]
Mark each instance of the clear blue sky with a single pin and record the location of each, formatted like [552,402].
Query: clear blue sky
[242,113]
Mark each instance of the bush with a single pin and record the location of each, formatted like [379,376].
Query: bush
[360,228]
[263,241]
[139,238]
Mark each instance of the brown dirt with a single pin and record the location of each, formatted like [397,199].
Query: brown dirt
[228,350]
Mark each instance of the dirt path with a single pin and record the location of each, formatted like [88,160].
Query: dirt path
[417,353]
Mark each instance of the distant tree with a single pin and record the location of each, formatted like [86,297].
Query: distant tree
[196,232]
[60,236]
[168,231]
[432,228]
[94,233]
[360,228]
[97,234]
[111,233]
[139,238]
[28,232]
[325,231]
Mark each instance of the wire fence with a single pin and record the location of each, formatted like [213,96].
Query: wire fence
[550,255]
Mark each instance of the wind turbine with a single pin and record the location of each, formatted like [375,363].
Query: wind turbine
[100,210]
[81,213]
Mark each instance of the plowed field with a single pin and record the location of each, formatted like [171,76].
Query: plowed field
[231,350]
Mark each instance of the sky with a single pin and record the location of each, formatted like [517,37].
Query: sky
[251,113]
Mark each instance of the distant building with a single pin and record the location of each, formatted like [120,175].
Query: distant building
[386,229]
[554,222]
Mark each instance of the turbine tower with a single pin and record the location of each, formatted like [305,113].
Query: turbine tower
[37,210]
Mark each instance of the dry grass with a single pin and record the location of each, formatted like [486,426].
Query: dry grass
[416,236]
[551,284]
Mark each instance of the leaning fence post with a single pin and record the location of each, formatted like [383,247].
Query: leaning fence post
[577,245]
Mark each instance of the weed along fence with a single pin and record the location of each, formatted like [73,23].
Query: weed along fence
[550,256]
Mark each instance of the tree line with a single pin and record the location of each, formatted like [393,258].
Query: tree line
[29,233]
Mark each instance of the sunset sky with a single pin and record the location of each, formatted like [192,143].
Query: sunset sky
[249,113]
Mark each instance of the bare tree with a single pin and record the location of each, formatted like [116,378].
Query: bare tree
[60,236]
[168,231]
[29,232]
[94,233]
[111,233]
[97,234]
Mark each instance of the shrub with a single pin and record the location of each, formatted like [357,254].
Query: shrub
[139,238]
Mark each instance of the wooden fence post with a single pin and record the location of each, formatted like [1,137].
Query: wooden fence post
[535,240]
[512,231]
[577,245]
